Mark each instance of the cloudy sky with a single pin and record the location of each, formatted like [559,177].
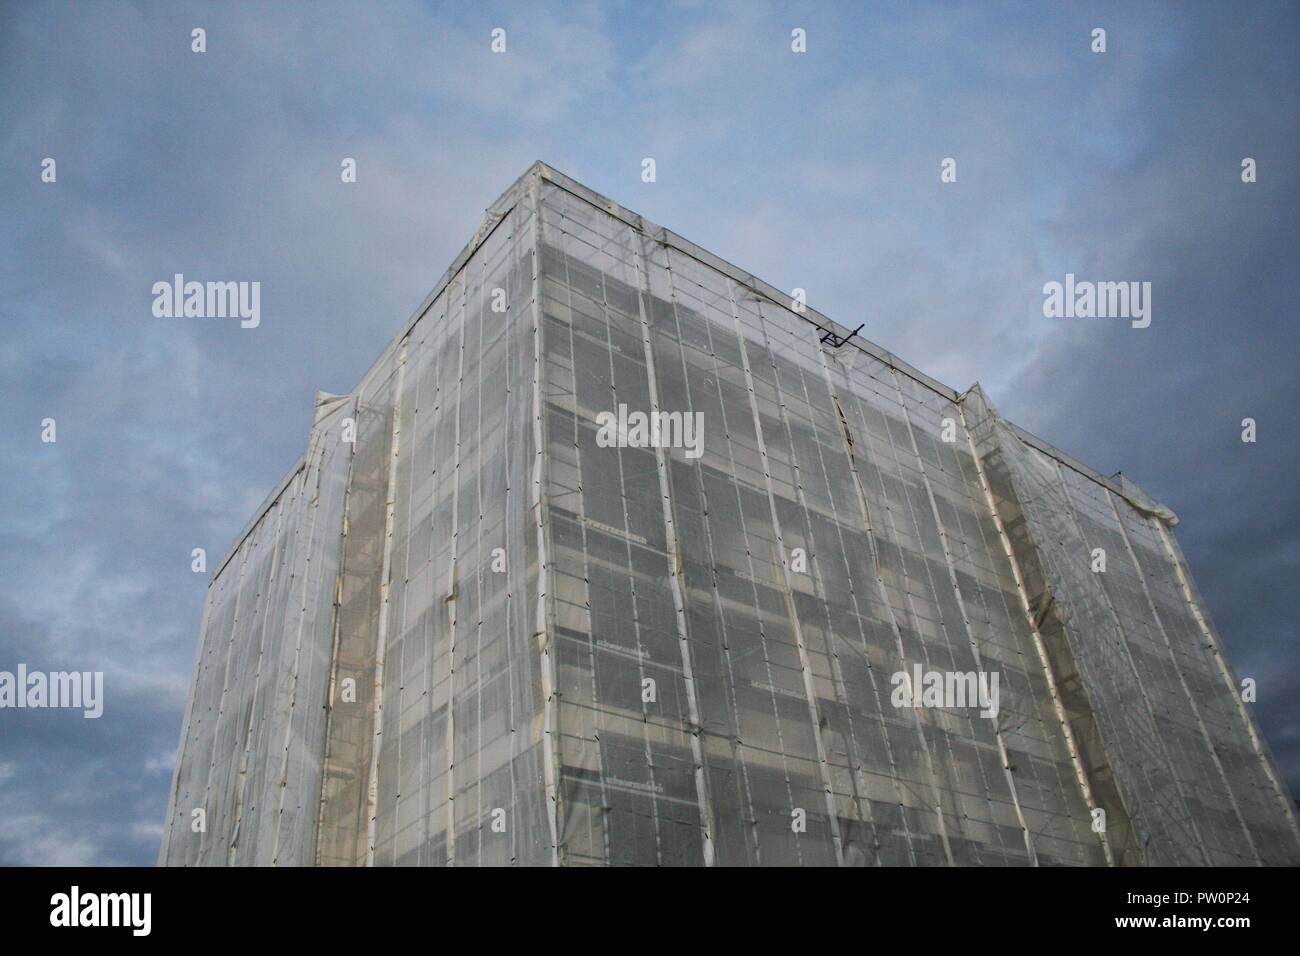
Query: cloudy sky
[818,170]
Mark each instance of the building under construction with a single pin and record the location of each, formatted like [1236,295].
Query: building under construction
[618,555]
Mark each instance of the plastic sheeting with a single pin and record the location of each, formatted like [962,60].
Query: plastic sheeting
[420,731]
[1171,741]
[250,767]
[480,634]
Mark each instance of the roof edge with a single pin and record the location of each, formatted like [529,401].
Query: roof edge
[1133,494]
[540,171]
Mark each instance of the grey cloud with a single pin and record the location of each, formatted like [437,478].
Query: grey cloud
[821,173]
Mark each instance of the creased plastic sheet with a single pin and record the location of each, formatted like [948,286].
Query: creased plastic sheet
[251,751]
[459,777]
[1173,743]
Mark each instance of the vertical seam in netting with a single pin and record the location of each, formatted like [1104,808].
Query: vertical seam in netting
[543,631]
[1182,679]
[381,625]
[814,716]
[1122,636]
[1040,645]
[336,604]
[820,590]
[241,784]
[449,595]
[970,635]
[696,727]
[874,548]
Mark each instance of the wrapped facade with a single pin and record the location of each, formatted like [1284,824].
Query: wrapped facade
[611,559]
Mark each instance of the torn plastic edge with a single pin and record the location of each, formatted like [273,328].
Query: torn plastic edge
[1143,502]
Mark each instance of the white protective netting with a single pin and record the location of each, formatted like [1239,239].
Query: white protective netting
[476,634]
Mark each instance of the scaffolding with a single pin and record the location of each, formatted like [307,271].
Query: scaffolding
[468,630]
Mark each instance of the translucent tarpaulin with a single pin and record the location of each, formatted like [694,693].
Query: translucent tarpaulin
[1151,689]
[480,632]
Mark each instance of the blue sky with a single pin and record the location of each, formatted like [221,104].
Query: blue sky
[818,170]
